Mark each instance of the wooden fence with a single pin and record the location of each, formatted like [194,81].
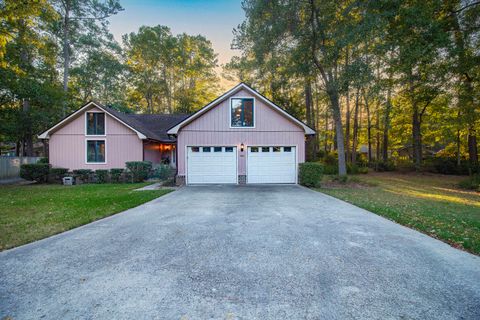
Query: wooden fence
[10,166]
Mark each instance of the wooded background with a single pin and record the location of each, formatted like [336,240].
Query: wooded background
[383,82]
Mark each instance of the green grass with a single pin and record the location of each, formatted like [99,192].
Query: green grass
[432,204]
[32,212]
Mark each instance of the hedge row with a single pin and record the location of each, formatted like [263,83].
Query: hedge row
[135,171]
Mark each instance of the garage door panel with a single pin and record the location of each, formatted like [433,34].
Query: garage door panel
[271,167]
[211,167]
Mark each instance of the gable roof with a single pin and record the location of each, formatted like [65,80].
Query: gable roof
[146,126]
[177,127]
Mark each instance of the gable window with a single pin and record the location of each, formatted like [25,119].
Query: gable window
[95,123]
[242,113]
[96,151]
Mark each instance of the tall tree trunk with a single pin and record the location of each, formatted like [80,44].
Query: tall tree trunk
[369,128]
[377,137]
[355,127]
[66,53]
[347,127]
[311,145]
[337,118]
[326,131]
[416,138]
[386,124]
[27,119]
[466,94]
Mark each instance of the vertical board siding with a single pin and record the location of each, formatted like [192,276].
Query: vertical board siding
[67,145]
[213,128]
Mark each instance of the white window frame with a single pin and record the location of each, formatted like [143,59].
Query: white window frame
[86,150]
[230,112]
[86,126]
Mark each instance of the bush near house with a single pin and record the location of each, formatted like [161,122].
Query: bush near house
[116,174]
[310,174]
[56,174]
[101,175]
[83,174]
[35,171]
[139,170]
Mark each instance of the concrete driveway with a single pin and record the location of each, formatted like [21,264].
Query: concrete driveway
[238,252]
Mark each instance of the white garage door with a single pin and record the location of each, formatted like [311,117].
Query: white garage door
[211,165]
[271,165]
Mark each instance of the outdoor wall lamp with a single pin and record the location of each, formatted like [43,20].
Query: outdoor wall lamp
[242,146]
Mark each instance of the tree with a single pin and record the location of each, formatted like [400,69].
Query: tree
[82,23]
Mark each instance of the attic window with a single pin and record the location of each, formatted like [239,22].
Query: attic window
[242,113]
[95,123]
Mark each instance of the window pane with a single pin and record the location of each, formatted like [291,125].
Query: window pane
[95,123]
[195,149]
[206,149]
[248,112]
[276,149]
[287,149]
[91,151]
[100,123]
[254,149]
[217,149]
[90,123]
[265,149]
[100,151]
[228,149]
[236,113]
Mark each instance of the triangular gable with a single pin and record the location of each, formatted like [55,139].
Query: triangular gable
[199,113]
[46,133]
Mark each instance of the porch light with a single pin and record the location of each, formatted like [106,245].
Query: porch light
[242,146]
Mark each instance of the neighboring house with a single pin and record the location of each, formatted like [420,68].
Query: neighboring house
[240,137]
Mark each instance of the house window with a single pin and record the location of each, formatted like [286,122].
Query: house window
[241,113]
[96,151]
[95,123]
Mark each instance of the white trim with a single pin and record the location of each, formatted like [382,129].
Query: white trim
[210,145]
[230,111]
[104,124]
[45,134]
[86,153]
[175,129]
[273,145]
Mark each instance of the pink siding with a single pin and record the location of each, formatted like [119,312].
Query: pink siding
[67,145]
[213,128]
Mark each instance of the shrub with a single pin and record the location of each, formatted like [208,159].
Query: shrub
[162,172]
[331,159]
[330,169]
[58,173]
[116,174]
[102,175]
[83,174]
[42,160]
[382,166]
[139,169]
[310,174]
[363,170]
[35,171]
[352,168]
[472,183]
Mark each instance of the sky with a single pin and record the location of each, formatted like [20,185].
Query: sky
[214,19]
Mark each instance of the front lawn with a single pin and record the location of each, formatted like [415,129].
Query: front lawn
[29,213]
[432,204]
